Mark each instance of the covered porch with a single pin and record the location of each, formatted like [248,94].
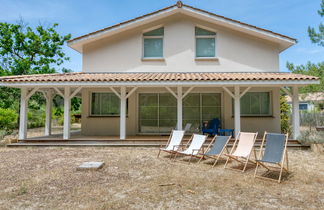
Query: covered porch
[179,85]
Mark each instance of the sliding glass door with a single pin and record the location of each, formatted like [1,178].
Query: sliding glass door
[158,111]
[201,107]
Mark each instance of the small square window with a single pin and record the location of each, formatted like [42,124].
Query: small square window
[153,43]
[205,43]
[205,47]
[153,48]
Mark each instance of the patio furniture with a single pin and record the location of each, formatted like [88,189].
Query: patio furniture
[226,132]
[196,143]
[242,149]
[173,143]
[187,127]
[275,154]
[212,127]
[216,148]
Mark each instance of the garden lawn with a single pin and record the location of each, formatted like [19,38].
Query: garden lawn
[133,178]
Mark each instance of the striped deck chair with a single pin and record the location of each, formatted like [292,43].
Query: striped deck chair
[274,155]
[173,143]
[216,148]
[242,149]
[195,147]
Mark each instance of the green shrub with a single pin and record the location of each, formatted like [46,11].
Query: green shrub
[58,115]
[8,119]
[3,133]
[311,137]
[284,115]
[36,118]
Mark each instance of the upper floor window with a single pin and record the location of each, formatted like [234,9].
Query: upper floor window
[205,43]
[153,43]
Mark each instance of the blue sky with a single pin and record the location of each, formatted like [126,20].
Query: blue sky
[78,17]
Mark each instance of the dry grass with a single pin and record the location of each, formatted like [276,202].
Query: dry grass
[46,178]
[36,132]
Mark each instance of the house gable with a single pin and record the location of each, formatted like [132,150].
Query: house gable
[180,8]
[234,51]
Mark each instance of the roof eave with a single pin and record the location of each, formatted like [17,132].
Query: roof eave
[78,42]
[252,83]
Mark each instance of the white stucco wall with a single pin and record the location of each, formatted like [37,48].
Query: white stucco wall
[237,52]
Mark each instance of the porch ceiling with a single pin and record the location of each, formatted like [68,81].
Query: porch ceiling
[156,79]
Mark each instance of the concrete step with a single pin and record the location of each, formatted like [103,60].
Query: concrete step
[113,144]
[163,141]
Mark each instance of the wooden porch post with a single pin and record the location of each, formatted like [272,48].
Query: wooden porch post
[48,120]
[123,113]
[295,112]
[179,108]
[23,114]
[237,110]
[67,117]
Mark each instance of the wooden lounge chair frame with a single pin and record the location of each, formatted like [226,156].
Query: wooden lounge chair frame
[284,159]
[175,147]
[215,157]
[246,160]
[182,148]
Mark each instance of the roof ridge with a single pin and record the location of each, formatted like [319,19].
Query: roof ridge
[121,23]
[179,5]
[240,22]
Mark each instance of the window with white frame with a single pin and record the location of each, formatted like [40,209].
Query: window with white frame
[153,43]
[205,43]
[256,104]
[105,104]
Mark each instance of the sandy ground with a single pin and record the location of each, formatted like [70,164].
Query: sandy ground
[46,178]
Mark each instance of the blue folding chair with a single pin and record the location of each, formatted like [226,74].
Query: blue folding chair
[274,154]
[216,148]
[212,128]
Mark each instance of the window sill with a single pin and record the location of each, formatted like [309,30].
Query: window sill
[115,116]
[153,59]
[260,116]
[206,59]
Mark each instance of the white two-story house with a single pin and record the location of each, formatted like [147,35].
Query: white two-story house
[174,66]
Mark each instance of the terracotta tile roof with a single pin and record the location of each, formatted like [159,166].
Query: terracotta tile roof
[149,77]
[179,5]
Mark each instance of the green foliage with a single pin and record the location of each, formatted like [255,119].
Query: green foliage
[36,118]
[310,69]
[24,50]
[284,115]
[317,37]
[8,119]
[9,98]
[311,137]
[311,119]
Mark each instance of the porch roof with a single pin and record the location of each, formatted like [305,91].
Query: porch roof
[185,78]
